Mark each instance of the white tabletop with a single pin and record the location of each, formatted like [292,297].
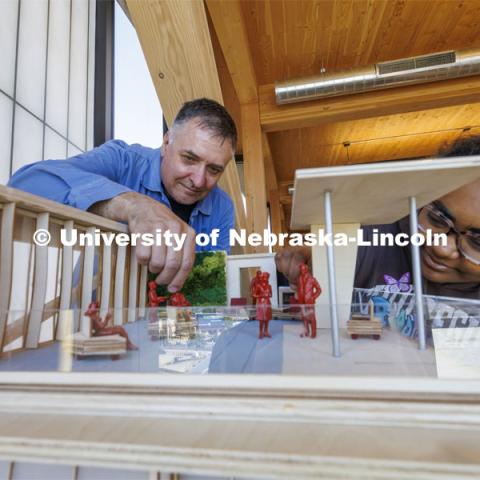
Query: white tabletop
[376,192]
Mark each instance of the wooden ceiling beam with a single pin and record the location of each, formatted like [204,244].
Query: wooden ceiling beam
[176,42]
[229,26]
[414,98]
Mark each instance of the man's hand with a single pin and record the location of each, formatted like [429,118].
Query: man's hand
[289,259]
[145,215]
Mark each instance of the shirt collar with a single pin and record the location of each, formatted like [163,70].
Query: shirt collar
[151,181]
[151,177]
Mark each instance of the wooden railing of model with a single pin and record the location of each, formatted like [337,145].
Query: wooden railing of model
[116,280]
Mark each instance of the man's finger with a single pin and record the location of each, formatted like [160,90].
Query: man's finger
[173,259]
[187,263]
[173,262]
[157,259]
[143,253]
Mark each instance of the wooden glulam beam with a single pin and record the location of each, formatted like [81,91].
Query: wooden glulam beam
[276,208]
[176,42]
[275,214]
[270,173]
[275,117]
[229,26]
[254,172]
[286,199]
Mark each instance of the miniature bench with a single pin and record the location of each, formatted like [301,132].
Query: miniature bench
[364,327]
[82,346]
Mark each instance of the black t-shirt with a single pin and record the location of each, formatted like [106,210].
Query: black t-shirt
[392,266]
[179,209]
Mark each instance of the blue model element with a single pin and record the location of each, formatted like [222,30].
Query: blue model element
[381,309]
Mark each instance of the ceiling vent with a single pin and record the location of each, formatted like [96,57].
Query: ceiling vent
[415,63]
[406,71]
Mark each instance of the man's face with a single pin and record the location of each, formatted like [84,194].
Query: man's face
[447,264]
[193,161]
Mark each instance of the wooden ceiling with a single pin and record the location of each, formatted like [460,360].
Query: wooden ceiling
[287,39]
[256,43]
[296,38]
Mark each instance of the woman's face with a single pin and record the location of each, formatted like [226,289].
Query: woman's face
[445,264]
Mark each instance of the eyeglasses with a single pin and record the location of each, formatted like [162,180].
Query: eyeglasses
[468,243]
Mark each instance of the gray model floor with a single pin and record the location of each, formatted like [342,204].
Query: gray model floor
[238,350]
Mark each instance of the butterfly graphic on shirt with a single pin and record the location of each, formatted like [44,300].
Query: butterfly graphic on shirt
[400,285]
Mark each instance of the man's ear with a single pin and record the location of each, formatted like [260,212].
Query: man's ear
[166,138]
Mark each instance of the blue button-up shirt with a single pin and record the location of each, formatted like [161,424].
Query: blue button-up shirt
[115,168]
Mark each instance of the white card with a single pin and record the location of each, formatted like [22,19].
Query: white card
[457,352]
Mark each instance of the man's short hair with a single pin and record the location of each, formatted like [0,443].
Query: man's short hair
[211,116]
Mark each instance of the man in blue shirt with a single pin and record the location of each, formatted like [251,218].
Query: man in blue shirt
[173,188]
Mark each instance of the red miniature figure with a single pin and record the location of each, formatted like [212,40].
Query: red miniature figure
[100,329]
[262,293]
[178,300]
[308,290]
[154,300]
[254,282]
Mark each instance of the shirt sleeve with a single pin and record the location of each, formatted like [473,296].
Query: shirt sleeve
[80,181]
[227,222]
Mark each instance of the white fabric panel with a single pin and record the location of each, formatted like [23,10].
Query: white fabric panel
[32,50]
[8,40]
[72,150]
[78,73]
[28,139]
[91,75]
[55,146]
[6,110]
[58,58]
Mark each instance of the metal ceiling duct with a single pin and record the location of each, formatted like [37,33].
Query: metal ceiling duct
[406,71]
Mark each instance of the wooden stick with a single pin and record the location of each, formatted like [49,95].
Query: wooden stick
[66,284]
[119,285]
[39,287]
[6,264]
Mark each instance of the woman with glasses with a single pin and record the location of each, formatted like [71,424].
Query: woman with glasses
[451,270]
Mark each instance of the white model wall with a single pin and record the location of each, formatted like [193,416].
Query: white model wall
[47,50]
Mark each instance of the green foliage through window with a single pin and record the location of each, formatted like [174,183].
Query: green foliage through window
[207,282]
